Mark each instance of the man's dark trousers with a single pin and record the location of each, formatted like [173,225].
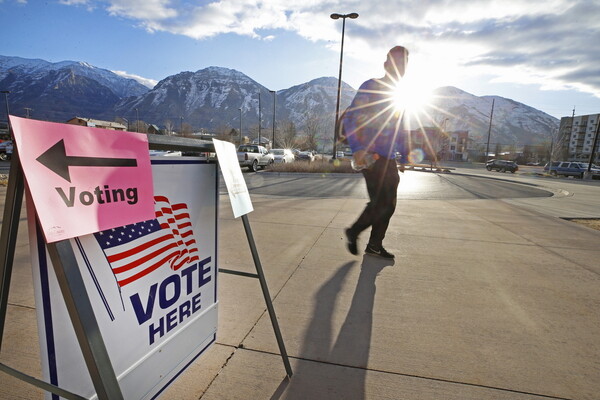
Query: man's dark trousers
[382,184]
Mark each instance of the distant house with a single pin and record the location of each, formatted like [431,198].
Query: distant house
[264,141]
[154,129]
[96,123]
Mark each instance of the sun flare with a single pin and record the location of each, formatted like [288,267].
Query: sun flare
[411,96]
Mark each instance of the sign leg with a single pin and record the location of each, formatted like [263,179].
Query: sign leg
[8,237]
[84,321]
[267,296]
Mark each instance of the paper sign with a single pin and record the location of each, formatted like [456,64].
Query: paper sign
[84,180]
[234,180]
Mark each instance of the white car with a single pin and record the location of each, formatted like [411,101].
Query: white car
[282,155]
[165,153]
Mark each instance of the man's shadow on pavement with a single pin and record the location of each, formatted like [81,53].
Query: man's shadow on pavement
[340,372]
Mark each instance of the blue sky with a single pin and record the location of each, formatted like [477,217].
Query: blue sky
[541,53]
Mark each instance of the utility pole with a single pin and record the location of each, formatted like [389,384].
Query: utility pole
[259,118]
[487,149]
[572,126]
[274,103]
[551,148]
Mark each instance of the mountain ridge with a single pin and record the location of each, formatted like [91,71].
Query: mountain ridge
[215,98]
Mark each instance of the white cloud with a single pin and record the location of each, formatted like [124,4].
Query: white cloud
[144,10]
[549,42]
[150,83]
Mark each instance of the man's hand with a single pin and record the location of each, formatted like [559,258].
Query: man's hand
[359,157]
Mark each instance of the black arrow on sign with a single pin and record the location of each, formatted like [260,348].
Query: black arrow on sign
[57,160]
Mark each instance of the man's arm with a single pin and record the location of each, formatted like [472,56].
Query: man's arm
[353,116]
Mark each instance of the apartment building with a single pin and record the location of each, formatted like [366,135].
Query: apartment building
[577,136]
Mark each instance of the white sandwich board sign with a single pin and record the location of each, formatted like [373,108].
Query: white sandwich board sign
[153,287]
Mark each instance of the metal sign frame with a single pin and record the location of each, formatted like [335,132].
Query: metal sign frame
[71,283]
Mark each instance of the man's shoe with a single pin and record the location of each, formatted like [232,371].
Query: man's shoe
[379,251]
[351,237]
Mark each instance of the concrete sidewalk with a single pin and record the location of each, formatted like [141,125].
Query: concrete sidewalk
[487,299]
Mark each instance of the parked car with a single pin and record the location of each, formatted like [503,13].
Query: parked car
[576,169]
[502,166]
[550,167]
[305,156]
[254,157]
[6,149]
[282,155]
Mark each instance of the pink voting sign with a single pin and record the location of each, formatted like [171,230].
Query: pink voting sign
[83,180]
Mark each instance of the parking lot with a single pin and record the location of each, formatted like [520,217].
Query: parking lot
[493,294]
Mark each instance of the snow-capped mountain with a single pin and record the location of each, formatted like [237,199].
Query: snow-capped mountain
[314,99]
[512,122]
[211,99]
[36,69]
[59,91]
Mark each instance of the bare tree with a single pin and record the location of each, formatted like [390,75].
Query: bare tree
[226,133]
[498,151]
[169,126]
[313,126]
[139,126]
[187,129]
[288,139]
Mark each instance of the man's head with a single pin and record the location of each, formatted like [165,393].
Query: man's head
[395,65]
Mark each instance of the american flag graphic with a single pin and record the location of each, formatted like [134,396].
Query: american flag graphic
[134,251]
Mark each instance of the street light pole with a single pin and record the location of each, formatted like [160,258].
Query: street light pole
[274,102]
[339,91]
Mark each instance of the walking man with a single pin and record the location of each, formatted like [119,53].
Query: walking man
[372,127]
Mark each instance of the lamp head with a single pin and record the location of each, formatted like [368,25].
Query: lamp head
[335,16]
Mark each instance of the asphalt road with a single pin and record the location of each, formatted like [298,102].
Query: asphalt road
[414,185]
